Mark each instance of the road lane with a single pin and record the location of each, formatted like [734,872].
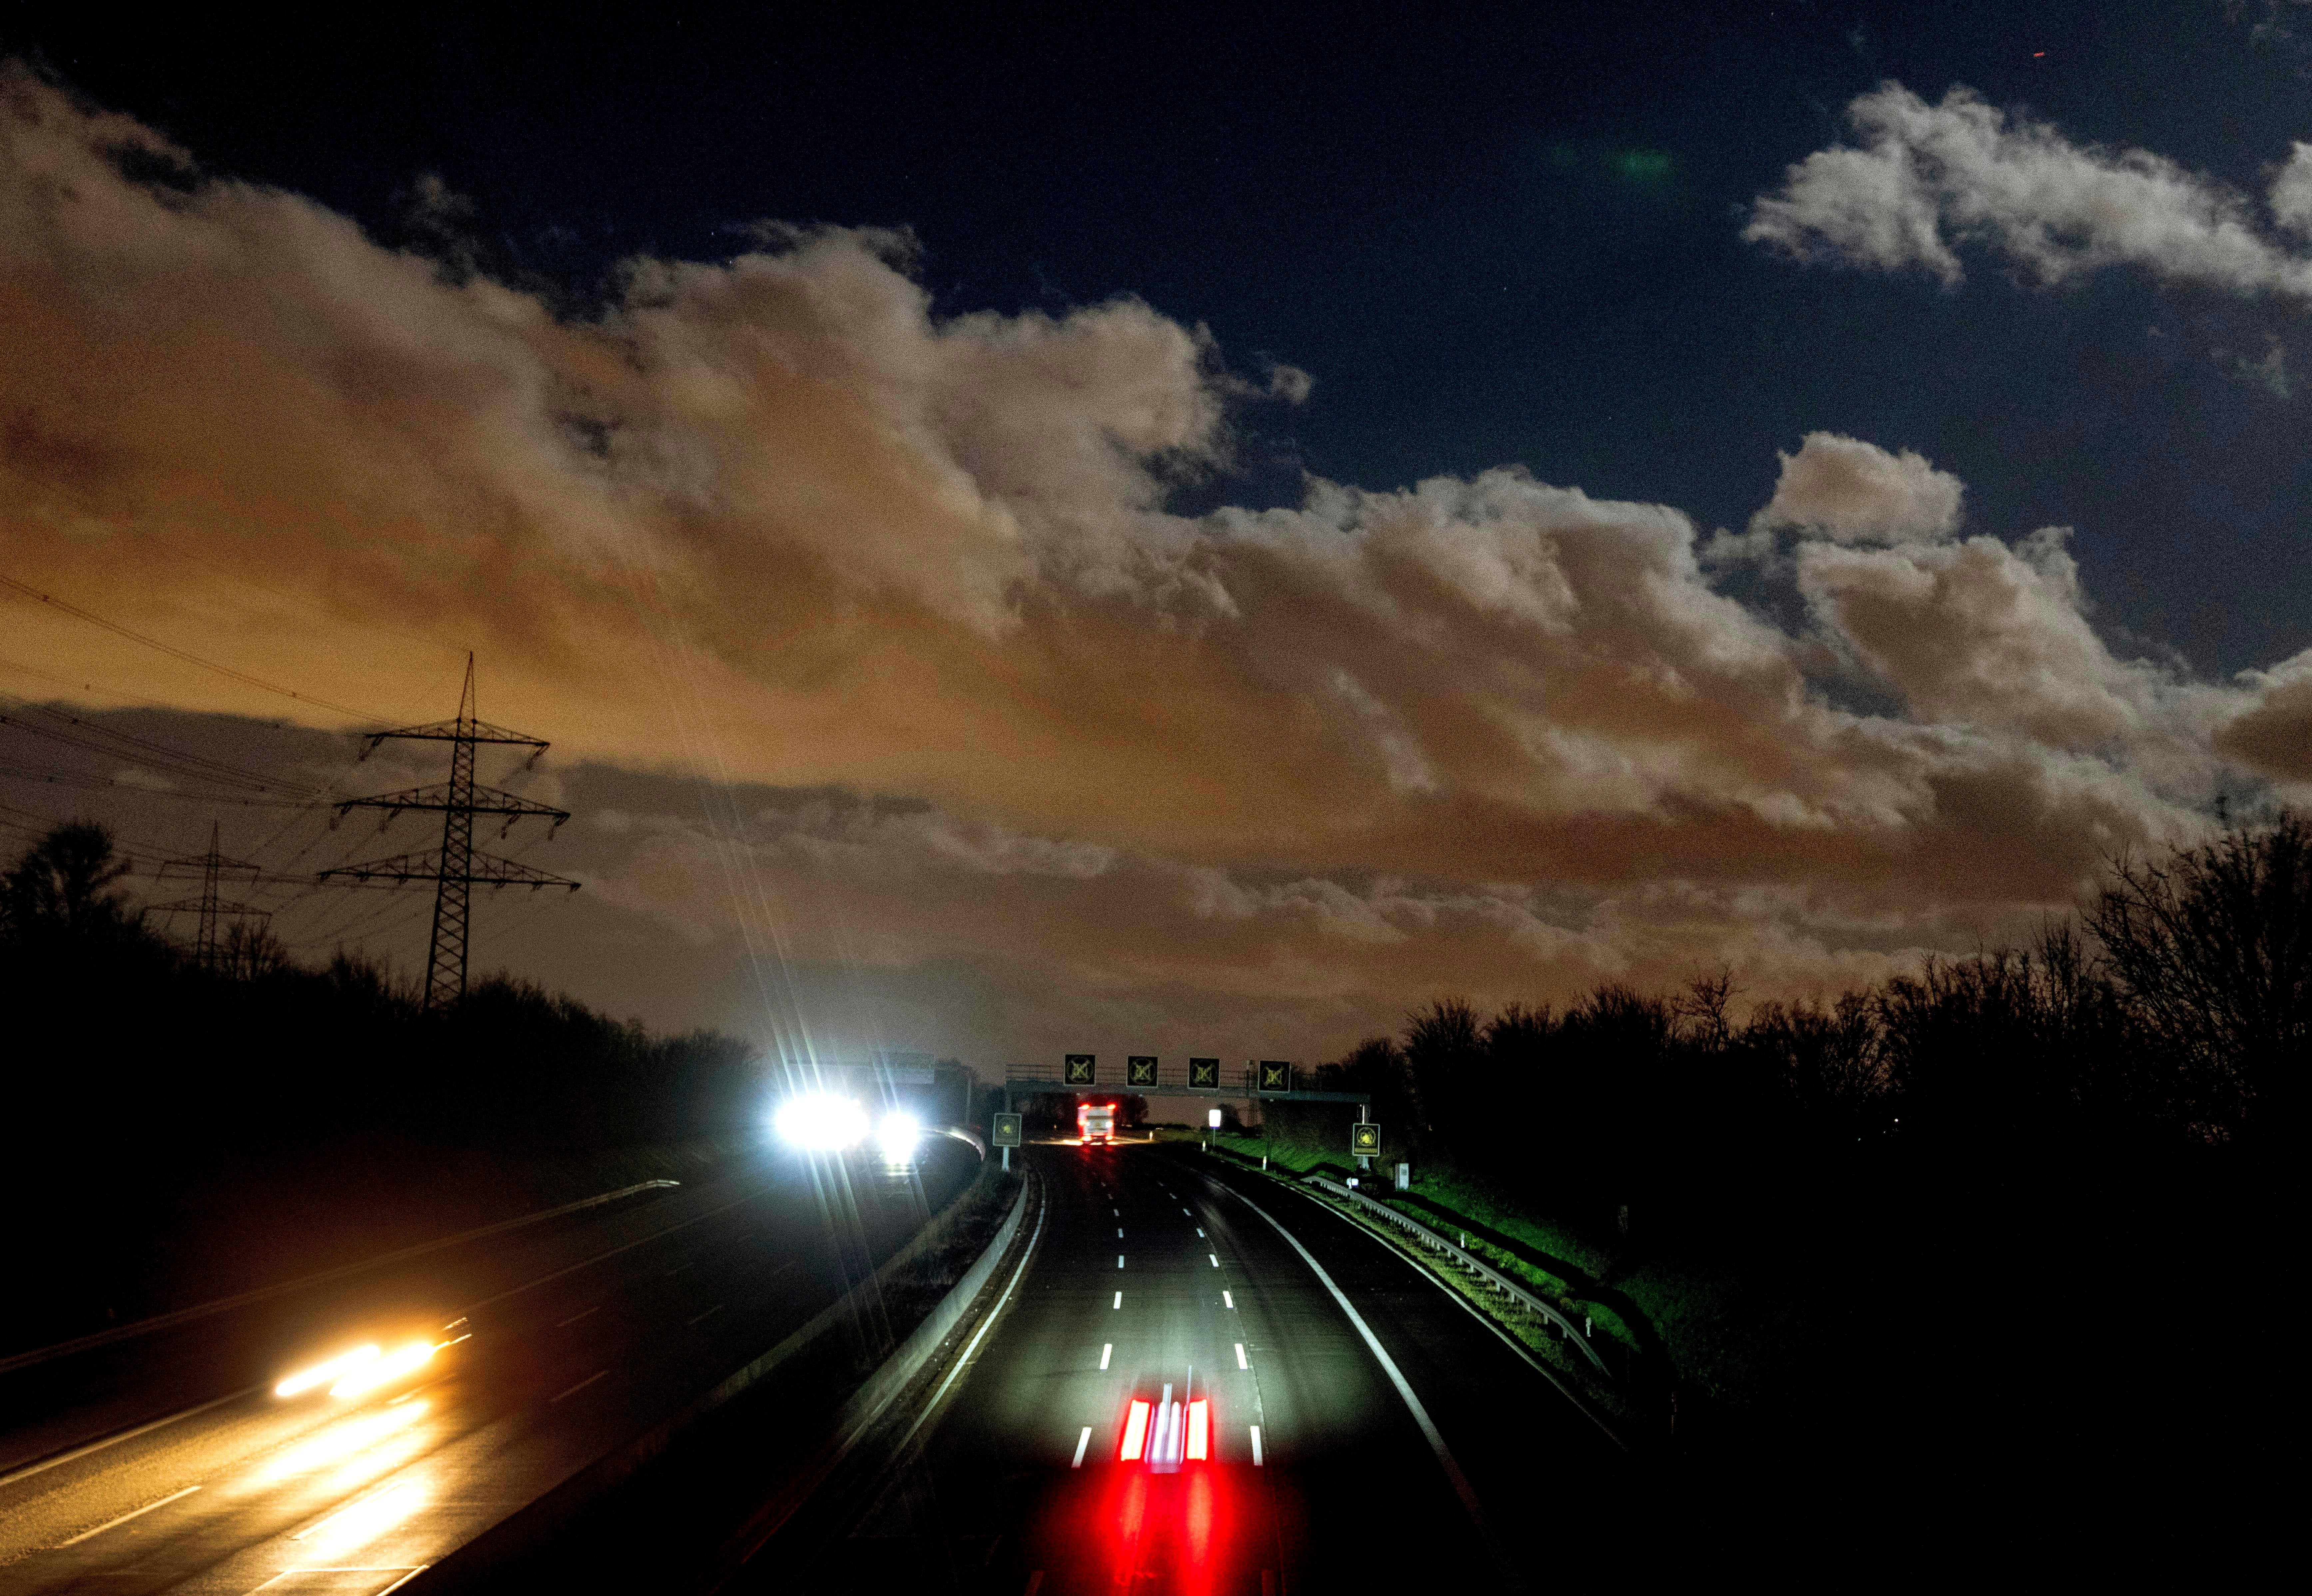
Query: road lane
[1318,1471]
[581,1340]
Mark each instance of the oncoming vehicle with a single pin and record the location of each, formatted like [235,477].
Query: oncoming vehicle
[1096,1122]
[390,1362]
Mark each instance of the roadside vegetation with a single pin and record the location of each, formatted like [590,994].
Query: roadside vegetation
[191,1132]
[1853,1211]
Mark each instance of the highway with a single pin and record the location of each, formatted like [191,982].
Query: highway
[1363,1422]
[169,1463]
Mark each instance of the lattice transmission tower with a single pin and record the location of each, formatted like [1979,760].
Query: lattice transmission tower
[454,866]
[212,868]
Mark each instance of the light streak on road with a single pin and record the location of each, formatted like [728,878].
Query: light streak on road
[341,1440]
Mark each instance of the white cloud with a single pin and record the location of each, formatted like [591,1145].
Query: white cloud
[2291,191]
[1854,491]
[1919,183]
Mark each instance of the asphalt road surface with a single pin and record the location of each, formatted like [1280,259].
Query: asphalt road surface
[1361,1422]
[169,1463]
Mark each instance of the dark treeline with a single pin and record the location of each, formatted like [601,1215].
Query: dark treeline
[138,1083]
[2004,1189]
[2172,1020]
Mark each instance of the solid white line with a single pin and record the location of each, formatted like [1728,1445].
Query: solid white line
[1082,1441]
[986,1325]
[124,1518]
[574,1317]
[1239,1357]
[581,1386]
[1105,1348]
[1119,1299]
[1471,1309]
[362,1501]
[1227,1301]
[1256,1446]
[61,1458]
[1428,1427]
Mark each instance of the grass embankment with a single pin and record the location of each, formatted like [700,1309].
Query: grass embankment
[1678,1323]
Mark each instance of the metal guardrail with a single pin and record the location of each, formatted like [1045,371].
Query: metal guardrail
[1476,1266]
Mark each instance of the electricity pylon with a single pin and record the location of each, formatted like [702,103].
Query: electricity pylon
[214,866]
[454,866]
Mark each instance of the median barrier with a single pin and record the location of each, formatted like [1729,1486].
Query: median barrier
[498,1554]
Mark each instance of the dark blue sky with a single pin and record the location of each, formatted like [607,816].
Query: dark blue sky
[1504,234]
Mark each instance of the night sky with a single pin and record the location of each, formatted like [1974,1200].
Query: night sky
[1276,516]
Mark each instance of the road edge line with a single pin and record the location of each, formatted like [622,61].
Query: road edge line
[1381,1239]
[1461,1487]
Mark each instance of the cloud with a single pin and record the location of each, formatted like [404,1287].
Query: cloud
[1918,183]
[881,658]
[2272,730]
[1853,492]
[2268,372]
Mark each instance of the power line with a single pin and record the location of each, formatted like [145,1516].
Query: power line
[187,655]
[181,760]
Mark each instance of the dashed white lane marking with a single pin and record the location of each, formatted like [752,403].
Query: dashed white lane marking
[1227,1301]
[1185,1211]
[710,1313]
[1200,1230]
[574,1317]
[581,1386]
[124,1518]
[1106,1348]
[678,1269]
[1119,1260]
[1035,1583]
[1119,1299]
[1256,1446]
[1120,1233]
[1082,1441]
[1239,1357]
[1215,1258]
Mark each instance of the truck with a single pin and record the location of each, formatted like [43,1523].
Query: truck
[1096,1122]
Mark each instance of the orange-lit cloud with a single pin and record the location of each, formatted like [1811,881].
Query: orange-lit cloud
[904,593]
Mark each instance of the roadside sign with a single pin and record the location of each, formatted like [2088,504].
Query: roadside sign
[1080,1069]
[1205,1072]
[1139,1070]
[1276,1075]
[1007,1130]
[1365,1139]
